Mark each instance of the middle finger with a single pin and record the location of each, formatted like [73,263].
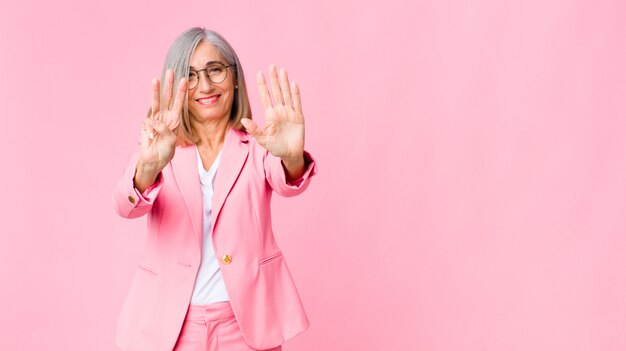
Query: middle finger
[278,96]
[169,82]
[284,87]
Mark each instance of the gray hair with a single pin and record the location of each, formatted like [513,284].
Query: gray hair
[178,57]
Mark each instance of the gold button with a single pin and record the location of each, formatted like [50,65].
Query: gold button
[131,199]
[227,259]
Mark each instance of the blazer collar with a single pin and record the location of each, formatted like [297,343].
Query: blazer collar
[185,167]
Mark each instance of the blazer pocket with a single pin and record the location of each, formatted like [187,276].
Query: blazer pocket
[147,270]
[271,258]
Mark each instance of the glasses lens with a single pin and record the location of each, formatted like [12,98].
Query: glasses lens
[217,73]
[193,80]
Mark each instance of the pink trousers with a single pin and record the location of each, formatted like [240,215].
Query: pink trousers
[212,328]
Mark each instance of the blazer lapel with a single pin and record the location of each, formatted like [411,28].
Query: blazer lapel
[185,167]
[234,154]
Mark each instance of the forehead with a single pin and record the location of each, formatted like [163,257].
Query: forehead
[203,54]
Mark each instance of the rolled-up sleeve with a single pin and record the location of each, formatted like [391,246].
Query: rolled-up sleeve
[127,200]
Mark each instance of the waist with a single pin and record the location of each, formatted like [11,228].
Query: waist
[210,312]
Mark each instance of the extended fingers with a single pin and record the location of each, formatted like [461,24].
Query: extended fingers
[156,99]
[264,94]
[283,92]
[180,95]
[169,82]
[278,96]
[172,117]
[284,86]
[295,93]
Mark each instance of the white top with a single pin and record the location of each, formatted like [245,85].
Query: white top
[209,287]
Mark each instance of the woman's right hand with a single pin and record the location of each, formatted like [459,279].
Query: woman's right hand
[158,141]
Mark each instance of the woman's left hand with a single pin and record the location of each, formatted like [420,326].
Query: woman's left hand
[283,133]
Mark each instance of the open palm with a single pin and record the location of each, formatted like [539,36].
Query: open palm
[283,133]
[158,141]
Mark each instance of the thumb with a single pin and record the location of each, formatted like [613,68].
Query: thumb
[252,127]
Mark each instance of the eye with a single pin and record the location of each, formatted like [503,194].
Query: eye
[193,74]
[216,69]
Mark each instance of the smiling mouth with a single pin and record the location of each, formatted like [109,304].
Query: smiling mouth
[210,100]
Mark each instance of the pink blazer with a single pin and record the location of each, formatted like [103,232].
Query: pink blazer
[262,292]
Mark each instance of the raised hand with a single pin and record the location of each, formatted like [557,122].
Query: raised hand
[283,133]
[158,140]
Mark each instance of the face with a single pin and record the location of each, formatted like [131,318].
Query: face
[210,102]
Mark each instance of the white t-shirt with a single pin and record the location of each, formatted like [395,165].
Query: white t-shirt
[209,287]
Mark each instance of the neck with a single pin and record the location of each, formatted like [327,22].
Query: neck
[212,133]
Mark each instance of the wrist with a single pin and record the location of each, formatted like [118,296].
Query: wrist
[147,169]
[294,167]
[294,161]
[145,175]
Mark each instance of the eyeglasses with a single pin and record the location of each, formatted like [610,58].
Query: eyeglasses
[216,73]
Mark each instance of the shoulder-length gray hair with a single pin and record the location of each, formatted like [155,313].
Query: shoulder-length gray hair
[178,57]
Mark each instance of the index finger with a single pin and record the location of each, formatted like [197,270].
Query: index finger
[156,99]
[264,94]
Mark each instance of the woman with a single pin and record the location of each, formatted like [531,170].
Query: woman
[212,276]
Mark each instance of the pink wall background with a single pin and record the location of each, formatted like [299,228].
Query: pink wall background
[472,184]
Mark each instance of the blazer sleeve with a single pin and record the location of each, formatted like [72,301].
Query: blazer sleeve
[277,179]
[127,200]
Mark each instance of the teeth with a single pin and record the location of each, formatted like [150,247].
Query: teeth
[208,100]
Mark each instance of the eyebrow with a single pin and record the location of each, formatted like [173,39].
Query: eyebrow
[207,64]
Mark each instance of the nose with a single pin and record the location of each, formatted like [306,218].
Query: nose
[204,83]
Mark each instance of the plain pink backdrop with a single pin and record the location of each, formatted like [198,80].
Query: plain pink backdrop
[472,159]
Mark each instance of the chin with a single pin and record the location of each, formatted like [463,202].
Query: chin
[209,117]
